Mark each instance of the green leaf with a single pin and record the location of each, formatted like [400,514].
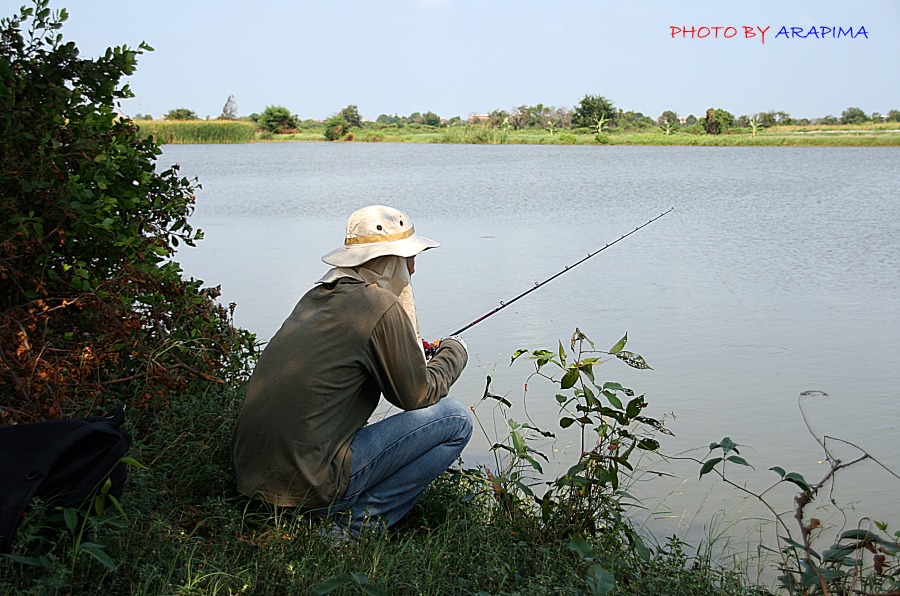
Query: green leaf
[96,551]
[728,445]
[130,461]
[116,504]
[648,444]
[619,345]
[798,480]
[778,470]
[33,561]
[517,353]
[70,516]
[534,463]
[709,465]
[839,554]
[801,547]
[562,354]
[569,379]
[566,422]
[581,548]
[600,581]
[738,460]
[856,535]
[633,360]
[613,399]
[634,407]
[519,444]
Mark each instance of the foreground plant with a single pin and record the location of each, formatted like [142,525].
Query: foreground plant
[612,431]
[860,560]
[92,307]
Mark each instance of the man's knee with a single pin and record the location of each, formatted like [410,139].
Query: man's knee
[453,409]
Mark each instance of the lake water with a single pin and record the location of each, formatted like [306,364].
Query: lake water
[778,272]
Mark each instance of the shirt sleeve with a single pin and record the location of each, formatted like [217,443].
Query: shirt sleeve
[398,365]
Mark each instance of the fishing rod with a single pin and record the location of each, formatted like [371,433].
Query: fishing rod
[554,276]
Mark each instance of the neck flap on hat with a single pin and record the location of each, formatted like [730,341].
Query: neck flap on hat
[388,272]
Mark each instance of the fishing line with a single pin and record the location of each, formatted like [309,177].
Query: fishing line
[567,268]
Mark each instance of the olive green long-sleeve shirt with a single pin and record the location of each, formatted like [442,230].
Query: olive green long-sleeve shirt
[318,381]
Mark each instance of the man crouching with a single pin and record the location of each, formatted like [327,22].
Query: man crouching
[302,440]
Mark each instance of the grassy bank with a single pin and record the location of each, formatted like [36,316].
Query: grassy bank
[198,131]
[187,531]
[885,134]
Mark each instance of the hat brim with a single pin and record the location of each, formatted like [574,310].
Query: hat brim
[357,254]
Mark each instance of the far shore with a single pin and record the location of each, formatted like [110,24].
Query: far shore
[886,134]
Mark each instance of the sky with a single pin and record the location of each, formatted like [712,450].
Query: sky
[462,57]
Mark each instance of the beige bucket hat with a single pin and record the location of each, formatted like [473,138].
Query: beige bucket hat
[376,231]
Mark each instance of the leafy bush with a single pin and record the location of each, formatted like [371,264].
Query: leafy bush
[181,114]
[335,128]
[92,307]
[277,119]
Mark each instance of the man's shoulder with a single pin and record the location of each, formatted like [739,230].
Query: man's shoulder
[356,291]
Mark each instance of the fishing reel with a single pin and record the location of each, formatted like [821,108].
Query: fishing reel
[430,348]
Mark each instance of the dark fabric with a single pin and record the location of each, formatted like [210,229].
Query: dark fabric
[61,461]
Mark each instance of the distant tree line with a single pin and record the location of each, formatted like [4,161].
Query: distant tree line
[594,113]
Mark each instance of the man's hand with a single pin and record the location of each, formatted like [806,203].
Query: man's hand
[432,347]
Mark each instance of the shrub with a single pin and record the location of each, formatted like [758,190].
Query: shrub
[181,114]
[92,307]
[335,128]
[567,138]
[277,119]
[602,138]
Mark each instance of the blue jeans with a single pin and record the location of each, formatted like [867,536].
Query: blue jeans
[395,459]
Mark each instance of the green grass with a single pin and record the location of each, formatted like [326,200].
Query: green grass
[198,131]
[187,531]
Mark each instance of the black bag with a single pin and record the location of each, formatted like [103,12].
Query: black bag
[62,461]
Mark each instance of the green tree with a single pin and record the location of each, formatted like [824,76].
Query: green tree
[718,121]
[92,306]
[335,128]
[853,116]
[229,110]
[691,119]
[496,118]
[277,119]
[431,119]
[669,117]
[591,110]
[351,116]
[893,116]
[181,114]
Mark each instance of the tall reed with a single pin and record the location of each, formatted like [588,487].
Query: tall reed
[198,131]
[474,135]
